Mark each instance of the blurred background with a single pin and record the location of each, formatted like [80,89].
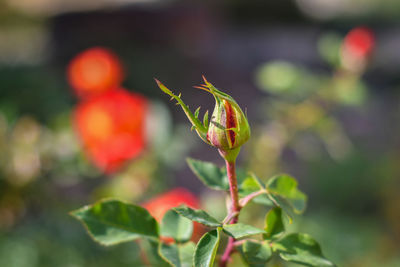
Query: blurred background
[81,117]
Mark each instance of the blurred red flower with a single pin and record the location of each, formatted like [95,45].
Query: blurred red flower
[159,205]
[359,42]
[111,127]
[94,71]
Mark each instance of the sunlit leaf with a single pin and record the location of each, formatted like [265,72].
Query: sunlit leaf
[239,230]
[186,253]
[206,249]
[199,216]
[176,226]
[263,200]
[252,184]
[273,223]
[213,176]
[256,254]
[249,185]
[170,253]
[285,187]
[177,255]
[151,248]
[110,222]
[210,174]
[302,249]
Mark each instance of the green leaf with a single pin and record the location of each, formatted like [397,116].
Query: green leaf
[249,185]
[151,248]
[263,200]
[179,255]
[285,187]
[213,176]
[110,222]
[283,204]
[239,230]
[273,223]
[186,252]
[210,174]
[253,184]
[256,254]
[170,254]
[199,216]
[206,249]
[303,249]
[175,226]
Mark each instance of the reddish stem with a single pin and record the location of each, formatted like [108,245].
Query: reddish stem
[233,188]
[243,202]
[234,209]
[227,253]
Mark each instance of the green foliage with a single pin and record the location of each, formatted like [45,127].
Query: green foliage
[210,174]
[301,248]
[110,222]
[175,226]
[284,192]
[199,216]
[278,77]
[216,178]
[329,48]
[153,254]
[240,230]
[206,249]
[170,253]
[186,252]
[263,200]
[250,184]
[177,255]
[256,254]
[273,223]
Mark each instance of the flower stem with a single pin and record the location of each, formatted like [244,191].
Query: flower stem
[227,253]
[234,208]
[233,189]
[229,217]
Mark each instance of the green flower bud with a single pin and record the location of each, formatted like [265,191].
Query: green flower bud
[228,128]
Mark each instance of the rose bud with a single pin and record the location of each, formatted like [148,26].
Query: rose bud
[357,48]
[228,129]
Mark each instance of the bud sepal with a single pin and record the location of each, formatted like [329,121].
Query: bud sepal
[197,125]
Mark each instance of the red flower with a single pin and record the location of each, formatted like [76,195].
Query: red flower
[111,127]
[94,71]
[359,42]
[159,205]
